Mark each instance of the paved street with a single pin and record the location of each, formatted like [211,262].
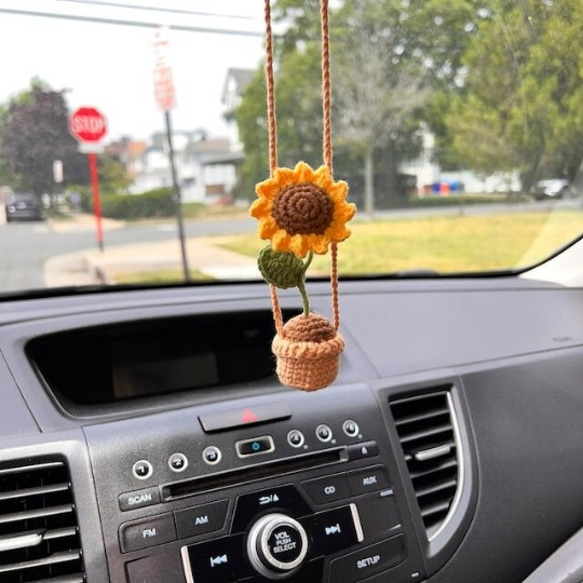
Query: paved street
[25,247]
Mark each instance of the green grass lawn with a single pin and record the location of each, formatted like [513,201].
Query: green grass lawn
[445,244]
[160,276]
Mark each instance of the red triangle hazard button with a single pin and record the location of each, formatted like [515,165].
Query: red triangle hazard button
[248,416]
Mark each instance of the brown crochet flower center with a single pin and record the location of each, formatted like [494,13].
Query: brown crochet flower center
[303,208]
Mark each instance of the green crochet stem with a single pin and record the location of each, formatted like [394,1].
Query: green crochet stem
[302,286]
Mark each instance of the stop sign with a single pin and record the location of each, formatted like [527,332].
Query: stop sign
[87,125]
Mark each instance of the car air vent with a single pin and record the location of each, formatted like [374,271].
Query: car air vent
[39,536]
[426,427]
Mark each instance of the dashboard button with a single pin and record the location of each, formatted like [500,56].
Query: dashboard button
[378,515]
[295,438]
[324,433]
[153,569]
[351,428]
[368,480]
[178,462]
[244,417]
[219,561]
[327,489]
[138,499]
[310,571]
[201,519]
[335,530]
[255,446]
[361,451]
[285,498]
[147,533]
[212,455]
[142,469]
[277,545]
[368,561]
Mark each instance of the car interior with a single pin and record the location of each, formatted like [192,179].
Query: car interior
[445,451]
[145,436]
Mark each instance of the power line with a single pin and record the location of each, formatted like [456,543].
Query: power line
[157,9]
[136,23]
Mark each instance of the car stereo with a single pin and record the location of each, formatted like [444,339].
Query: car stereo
[280,487]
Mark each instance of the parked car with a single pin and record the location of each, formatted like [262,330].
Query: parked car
[554,188]
[23,206]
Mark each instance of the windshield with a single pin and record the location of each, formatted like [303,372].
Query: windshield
[133,134]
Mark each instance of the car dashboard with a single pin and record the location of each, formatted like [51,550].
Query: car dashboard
[144,437]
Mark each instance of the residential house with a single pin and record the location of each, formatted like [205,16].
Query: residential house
[129,152]
[236,82]
[192,151]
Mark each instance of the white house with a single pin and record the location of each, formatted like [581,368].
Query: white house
[192,150]
[236,82]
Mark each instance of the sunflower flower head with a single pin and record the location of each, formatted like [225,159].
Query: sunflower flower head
[302,210]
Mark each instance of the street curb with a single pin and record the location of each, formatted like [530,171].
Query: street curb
[98,273]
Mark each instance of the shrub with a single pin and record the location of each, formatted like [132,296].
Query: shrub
[151,204]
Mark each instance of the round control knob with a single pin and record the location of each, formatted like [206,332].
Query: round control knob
[277,545]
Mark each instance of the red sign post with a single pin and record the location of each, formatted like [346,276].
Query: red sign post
[88,126]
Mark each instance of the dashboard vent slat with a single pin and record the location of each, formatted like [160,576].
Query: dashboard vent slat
[424,434]
[65,579]
[425,426]
[422,416]
[34,491]
[46,561]
[37,513]
[39,533]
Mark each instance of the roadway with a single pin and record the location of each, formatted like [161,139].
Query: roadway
[24,247]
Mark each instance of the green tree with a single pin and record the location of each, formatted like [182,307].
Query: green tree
[33,134]
[521,101]
[299,113]
[379,90]
[113,177]
[299,101]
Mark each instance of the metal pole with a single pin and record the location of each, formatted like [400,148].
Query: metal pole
[176,196]
[96,201]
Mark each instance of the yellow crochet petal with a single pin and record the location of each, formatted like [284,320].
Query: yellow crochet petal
[267,189]
[340,234]
[344,212]
[280,241]
[282,177]
[303,173]
[299,245]
[323,179]
[261,207]
[267,228]
[319,244]
[338,191]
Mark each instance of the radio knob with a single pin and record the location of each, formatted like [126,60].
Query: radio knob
[277,545]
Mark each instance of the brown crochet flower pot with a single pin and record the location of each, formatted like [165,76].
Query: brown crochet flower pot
[308,353]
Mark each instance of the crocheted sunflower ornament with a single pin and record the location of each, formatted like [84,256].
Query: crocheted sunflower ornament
[302,211]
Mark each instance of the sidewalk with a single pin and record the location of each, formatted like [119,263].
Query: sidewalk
[82,222]
[203,255]
[116,263]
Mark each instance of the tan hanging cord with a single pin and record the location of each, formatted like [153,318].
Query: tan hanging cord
[272,125]
[326,87]
[327,153]
[327,147]
[271,116]
[302,211]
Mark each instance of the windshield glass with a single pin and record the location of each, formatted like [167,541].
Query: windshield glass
[133,133]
